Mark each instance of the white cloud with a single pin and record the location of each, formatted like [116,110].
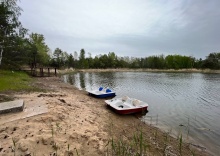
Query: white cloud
[125,26]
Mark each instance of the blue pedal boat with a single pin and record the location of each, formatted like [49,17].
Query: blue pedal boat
[102,93]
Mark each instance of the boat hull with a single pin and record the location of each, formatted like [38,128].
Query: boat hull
[130,111]
[102,95]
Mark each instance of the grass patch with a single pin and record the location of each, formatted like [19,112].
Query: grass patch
[15,81]
[135,146]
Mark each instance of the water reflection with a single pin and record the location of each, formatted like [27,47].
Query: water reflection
[82,80]
[106,79]
[89,81]
[68,78]
[189,99]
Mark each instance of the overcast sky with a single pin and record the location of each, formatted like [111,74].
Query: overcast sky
[138,28]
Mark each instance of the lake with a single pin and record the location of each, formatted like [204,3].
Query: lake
[186,103]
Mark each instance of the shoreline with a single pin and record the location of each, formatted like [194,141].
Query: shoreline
[192,70]
[76,122]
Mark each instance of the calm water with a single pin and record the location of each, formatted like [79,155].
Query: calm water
[191,100]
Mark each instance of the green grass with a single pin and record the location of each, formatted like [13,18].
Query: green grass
[15,81]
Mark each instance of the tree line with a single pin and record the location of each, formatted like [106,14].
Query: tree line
[18,47]
[111,60]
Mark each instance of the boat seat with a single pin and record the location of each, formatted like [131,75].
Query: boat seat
[125,98]
[108,90]
[136,102]
[100,88]
[122,105]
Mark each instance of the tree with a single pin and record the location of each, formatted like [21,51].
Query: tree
[75,55]
[198,63]
[96,63]
[112,60]
[135,62]
[154,62]
[64,59]
[90,61]
[57,57]
[19,54]
[83,63]
[41,50]
[212,61]
[179,62]
[70,61]
[10,27]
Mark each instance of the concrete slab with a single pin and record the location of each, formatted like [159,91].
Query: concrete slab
[11,106]
[33,107]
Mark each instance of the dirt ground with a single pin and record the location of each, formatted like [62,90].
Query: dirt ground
[77,124]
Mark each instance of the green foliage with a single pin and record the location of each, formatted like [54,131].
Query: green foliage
[83,63]
[179,62]
[180,144]
[62,59]
[153,62]
[11,32]
[14,146]
[212,61]
[112,59]
[15,49]
[39,48]
[70,61]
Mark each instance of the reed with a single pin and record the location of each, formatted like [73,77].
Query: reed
[141,143]
[56,147]
[192,152]
[52,133]
[68,148]
[165,142]
[58,127]
[157,119]
[180,144]
[77,152]
[135,146]
[14,146]
[155,134]
[151,120]
[188,128]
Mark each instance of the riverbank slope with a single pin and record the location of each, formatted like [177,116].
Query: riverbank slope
[79,124]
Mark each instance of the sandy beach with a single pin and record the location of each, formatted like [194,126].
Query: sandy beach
[73,123]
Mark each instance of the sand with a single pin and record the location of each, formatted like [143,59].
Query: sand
[66,121]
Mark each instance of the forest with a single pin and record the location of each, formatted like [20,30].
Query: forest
[20,47]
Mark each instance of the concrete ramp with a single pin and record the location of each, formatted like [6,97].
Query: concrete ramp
[11,106]
[32,107]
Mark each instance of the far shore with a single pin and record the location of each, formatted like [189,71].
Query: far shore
[191,70]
